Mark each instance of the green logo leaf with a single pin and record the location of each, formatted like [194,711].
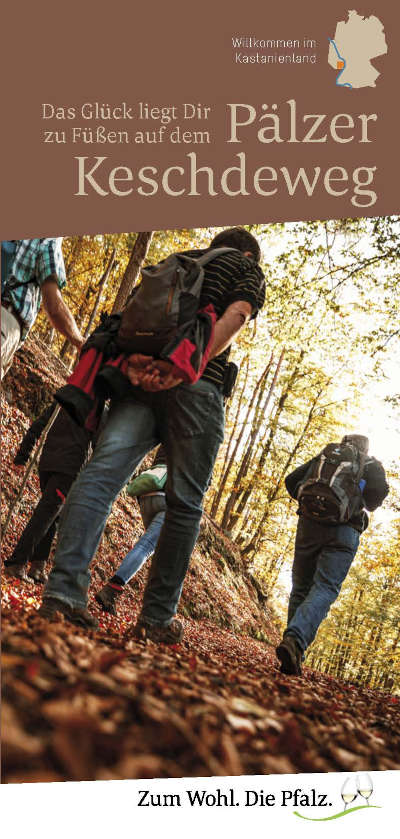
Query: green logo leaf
[338,815]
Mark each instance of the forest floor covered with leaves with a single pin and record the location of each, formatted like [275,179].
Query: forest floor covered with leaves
[86,706]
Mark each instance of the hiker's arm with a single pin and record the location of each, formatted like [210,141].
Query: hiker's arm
[157,375]
[376,488]
[32,435]
[59,314]
[228,327]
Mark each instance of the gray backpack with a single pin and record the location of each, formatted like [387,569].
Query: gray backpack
[166,299]
[331,491]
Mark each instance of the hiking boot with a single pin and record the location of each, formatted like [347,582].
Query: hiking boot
[290,656]
[170,634]
[74,614]
[16,569]
[37,573]
[107,597]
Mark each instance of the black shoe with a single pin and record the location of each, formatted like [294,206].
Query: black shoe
[18,570]
[290,655]
[170,634]
[37,573]
[75,614]
[108,596]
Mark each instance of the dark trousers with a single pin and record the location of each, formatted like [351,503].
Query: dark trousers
[35,543]
[322,560]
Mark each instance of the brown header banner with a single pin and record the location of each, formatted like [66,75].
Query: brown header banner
[135,117]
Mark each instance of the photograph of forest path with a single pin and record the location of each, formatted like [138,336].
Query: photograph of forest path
[320,361]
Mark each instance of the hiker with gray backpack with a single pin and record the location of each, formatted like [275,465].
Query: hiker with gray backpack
[170,392]
[333,491]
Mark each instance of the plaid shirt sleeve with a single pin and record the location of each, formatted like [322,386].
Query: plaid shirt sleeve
[50,262]
[35,261]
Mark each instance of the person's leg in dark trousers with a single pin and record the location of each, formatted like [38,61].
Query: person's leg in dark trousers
[306,551]
[41,554]
[338,547]
[55,487]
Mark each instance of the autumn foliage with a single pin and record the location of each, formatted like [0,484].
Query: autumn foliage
[319,360]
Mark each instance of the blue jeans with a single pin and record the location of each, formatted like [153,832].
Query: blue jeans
[189,421]
[152,508]
[322,560]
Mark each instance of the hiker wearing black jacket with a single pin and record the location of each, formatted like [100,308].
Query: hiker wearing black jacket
[324,551]
[66,450]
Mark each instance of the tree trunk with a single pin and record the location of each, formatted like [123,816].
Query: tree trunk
[271,497]
[232,457]
[224,473]
[102,283]
[228,517]
[128,281]
[79,318]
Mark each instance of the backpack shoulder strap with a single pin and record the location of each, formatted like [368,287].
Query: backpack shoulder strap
[8,251]
[363,460]
[211,254]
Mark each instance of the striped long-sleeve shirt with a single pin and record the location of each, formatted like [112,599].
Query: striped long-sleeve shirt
[228,278]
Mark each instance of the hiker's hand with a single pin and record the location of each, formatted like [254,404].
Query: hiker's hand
[139,366]
[162,376]
[150,374]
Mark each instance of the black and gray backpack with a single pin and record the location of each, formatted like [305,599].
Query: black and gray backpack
[166,299]
[330,492]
